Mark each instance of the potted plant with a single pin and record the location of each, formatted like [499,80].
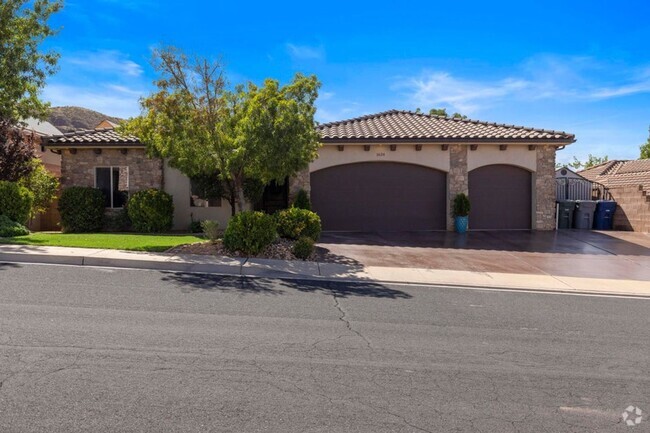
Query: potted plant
[461,212]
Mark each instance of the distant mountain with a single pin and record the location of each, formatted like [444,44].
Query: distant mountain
[69,119]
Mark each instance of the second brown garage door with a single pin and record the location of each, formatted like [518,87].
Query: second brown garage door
[379,196]
[500,196]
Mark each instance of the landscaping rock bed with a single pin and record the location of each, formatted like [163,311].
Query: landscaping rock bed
[279,250]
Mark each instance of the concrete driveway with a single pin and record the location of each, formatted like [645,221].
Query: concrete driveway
[576,253]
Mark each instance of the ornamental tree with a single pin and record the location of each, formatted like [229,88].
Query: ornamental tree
[246,135]
[16,152]
[23,67]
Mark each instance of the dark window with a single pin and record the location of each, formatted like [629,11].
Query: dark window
[103,183]
[114,184]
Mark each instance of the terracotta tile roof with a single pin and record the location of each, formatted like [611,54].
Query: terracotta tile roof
[407,125]
[93,137]
[619,173]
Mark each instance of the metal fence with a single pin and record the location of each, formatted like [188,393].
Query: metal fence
[580,189]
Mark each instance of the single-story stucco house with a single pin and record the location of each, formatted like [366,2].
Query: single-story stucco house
[391,171]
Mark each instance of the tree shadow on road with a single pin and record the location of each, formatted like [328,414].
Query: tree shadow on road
[4,266]
[191,282]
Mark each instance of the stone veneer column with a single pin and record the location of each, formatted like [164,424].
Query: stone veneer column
[457,178]
[300,181]
[545,188]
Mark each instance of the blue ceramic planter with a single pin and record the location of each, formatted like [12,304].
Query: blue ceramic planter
[461,223]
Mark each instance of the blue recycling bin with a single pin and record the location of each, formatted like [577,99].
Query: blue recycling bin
[604,216]
[583,218]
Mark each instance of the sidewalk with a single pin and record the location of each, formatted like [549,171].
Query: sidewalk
[319,271]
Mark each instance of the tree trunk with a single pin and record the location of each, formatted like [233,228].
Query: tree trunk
[241,199]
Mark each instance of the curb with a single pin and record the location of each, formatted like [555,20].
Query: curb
[248,269]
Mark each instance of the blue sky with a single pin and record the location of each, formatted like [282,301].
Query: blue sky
[581,66]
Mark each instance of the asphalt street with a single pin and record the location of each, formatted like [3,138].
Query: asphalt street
[106,350]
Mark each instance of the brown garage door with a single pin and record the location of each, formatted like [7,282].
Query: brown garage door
[379,196]
[501,198]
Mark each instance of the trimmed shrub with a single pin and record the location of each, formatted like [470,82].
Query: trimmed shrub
[294,223]
[211,229]
[82,209]
[302,200]
[10,228]
[151,211]
[196,226]
[15,201]
[249,232]
[303,248]
[117,221]
[461,206]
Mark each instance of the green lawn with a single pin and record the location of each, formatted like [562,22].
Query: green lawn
[113,241]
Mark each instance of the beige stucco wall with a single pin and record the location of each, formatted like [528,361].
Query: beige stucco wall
[516,155]
[430,156]
[178,185]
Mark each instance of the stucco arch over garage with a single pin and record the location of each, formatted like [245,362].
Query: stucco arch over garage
[490,154]
[428,155]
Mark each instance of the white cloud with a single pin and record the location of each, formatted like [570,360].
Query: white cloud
[441,88]
[541,77]
[106,62]
[305,52]
[110,99]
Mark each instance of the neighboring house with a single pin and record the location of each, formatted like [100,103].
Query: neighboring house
[629,184]
[390,171]
[40,130]
[106,124]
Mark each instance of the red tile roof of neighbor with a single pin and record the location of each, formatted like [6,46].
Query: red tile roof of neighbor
[93,137]
[406,125]
[620,173]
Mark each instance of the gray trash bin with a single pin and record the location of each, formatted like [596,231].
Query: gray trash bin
[584,215]
[565,215]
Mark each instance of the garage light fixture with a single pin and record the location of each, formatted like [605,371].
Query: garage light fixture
[473,146]
[532,147]
[366,147]
[340,147]
[445,147]
[503,146]
[393,147]
[418,147]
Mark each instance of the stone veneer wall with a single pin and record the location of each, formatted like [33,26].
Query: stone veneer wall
[457,177]
[545,188]
[79,169]
[300,181]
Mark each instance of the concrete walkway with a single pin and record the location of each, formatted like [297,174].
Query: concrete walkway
[320,271]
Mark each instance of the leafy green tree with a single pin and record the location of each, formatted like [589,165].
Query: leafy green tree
[645,149]
[43,184]
[258,133]
[590,162]
[443,112]
[23,67]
